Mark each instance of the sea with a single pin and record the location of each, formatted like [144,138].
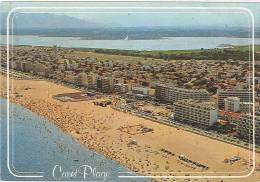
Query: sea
[40,151]
[167,43]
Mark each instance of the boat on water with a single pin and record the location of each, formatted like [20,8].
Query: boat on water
[126,38]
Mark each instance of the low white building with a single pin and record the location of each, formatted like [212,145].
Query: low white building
[140,90]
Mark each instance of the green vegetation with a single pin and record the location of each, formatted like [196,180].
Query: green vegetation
[234,53]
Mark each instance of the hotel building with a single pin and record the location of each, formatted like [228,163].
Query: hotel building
[121,88]
[243,94]
[174,94]
[246,107]
[245,128]
[83,79]
[105,84]
[200,114]
[92,81]
[232,104]
[140,90]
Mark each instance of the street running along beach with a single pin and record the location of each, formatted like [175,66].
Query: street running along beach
[102,129]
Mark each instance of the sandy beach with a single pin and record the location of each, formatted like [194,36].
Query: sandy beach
[100,129]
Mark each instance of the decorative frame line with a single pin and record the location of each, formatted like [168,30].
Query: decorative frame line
[247,11]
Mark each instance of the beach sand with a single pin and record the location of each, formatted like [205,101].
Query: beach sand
[98,128]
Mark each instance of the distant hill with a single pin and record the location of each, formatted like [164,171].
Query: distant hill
[47,21]
[53,25]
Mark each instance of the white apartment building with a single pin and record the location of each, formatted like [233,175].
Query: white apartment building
[105,84]
[232,104]
[20,66]
[28,66]
[249,80]
[92,81]
[121,88]
[174,94]
[246,107]
[243,94]
[200,114]
[70,64]
[83,79]
[245,128]
[39,68]
[140,90]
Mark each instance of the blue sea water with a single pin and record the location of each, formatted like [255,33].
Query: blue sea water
[37,145]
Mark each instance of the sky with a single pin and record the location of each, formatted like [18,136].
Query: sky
[183,19]
[130,18]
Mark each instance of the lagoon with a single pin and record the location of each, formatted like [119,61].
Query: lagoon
[170,43]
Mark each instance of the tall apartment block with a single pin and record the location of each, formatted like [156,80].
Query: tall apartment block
[105,84]
[92,81]
[232,104]
[173,94]
[83,79]
[243,94]
[245,128]
[200,114]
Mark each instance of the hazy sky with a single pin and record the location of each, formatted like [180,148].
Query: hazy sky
[184,19]
[132,19]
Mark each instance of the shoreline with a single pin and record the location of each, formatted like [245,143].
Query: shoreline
[138,51]
[69,151]
[93,129]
